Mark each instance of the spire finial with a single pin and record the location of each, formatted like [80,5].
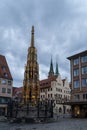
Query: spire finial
[51,72]
[32,37]
[57,70]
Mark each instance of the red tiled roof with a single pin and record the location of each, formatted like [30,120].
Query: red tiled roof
[4,69]
[48,80]
[46,83]
[17,90]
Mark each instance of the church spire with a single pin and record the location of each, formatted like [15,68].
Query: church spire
[32,37]
[57,70]
[31,75]
[51,72]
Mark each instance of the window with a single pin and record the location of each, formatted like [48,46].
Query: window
[9,90]
[76,84]
[3,90]
[51,89]
[4,100]
[84,82]
[3,81]
[76,72]
[84,70]
[51,95]
[76,61]
[9,82]
[77,97]
[3,68]
[48,95]
[84,59]
[5,74]
[60,110]
[84,96]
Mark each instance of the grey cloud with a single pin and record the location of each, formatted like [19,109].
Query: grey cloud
[60,30]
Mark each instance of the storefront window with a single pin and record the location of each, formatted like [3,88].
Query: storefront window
[4,100]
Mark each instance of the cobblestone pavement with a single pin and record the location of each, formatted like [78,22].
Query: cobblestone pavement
[63,124]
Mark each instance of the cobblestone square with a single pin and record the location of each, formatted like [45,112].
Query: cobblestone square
[61,124]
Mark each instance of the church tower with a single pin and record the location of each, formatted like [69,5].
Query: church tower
[57,70]
[31,90]
[51,71]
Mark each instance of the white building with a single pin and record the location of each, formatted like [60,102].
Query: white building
[57,89]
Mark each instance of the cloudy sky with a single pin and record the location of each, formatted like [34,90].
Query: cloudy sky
[60,31]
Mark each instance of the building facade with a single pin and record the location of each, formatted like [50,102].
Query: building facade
[17,94]
[6,83]
[56,89]
[78,65]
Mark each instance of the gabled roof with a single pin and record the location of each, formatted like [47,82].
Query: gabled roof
[4,69]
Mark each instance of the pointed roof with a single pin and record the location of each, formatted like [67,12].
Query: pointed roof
[51,72]
[4,69]
[57,70]
[32,37]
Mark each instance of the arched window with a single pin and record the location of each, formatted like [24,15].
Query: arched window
[60,110]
